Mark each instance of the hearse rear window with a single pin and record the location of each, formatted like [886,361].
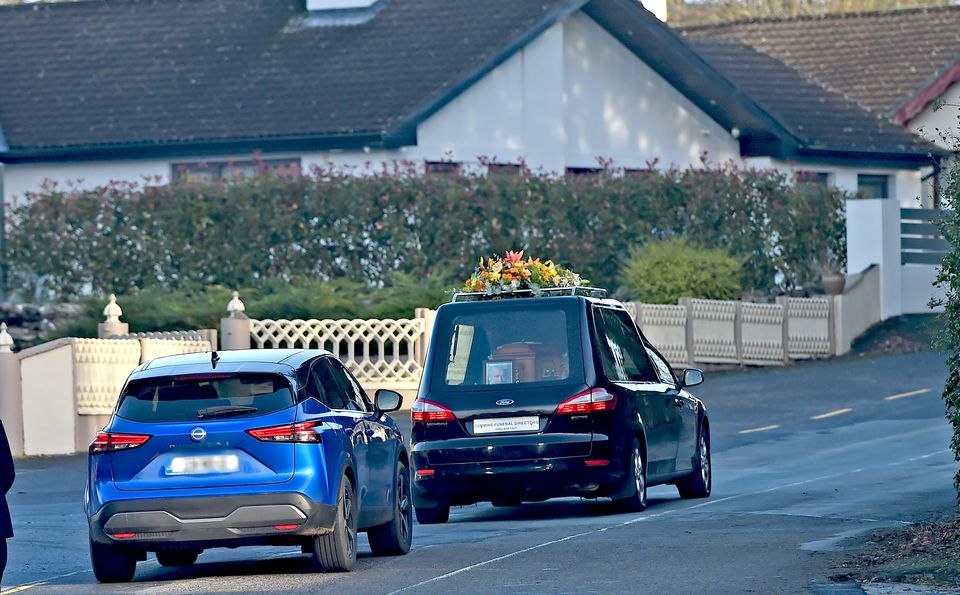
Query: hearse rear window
[488,345]
[204,397]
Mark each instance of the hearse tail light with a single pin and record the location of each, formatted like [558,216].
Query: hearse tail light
[423,410]
[108,442]
[301,432]
[595,399]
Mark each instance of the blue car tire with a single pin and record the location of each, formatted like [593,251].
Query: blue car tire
[337,551]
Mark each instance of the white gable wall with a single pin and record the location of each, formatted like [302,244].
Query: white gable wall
[618,107]
[929,121]
[575,94]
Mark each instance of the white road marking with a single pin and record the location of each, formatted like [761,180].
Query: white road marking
[912,393]
[832,413]
[643,518]
[760,429]
[41,582]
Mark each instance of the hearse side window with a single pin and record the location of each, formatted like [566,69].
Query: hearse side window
[621,351]
[663,370]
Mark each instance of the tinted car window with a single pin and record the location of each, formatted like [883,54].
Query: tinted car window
[334,394]
[663,370]
[190,398]
[521,343]
[621,351]
[351,391]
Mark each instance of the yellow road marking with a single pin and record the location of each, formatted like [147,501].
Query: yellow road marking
[762,429]
[20,589]
[912,393]
[832,413]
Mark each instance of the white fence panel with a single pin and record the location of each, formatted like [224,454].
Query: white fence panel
[761,334]
[714,331]
[808,328]
[101,367]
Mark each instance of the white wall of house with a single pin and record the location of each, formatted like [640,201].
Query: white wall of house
[928,122]
[618,107]
[22,178]
[904,185]
[575,94]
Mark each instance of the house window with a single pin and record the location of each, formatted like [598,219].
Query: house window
[812,177]
[503,169]
[583,171]
[442,167]
[205,172]
[873,186]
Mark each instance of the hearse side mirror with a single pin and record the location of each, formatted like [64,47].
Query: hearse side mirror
[387,400]
[691,377]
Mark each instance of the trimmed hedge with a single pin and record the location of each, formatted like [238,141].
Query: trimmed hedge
[662,272]
[332,225]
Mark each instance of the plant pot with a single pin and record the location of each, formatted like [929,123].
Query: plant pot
[833,283]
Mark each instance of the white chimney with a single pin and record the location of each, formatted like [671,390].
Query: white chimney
[339,4]
[657,7]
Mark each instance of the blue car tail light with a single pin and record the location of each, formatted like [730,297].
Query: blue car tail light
[109,442]
[297,432]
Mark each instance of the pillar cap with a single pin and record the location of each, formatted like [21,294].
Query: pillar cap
[235,307]
[6,341]
[113,311]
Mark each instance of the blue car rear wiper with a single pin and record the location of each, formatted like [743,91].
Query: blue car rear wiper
[224,410]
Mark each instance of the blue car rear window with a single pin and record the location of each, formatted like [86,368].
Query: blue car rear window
[204,396]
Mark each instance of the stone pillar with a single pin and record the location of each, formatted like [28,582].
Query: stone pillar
[429,317]
[690,339]
[873,237]
[11,396]
[112,325]
[235,329]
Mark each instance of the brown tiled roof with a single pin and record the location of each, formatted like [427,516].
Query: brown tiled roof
[823,120]
[879,59]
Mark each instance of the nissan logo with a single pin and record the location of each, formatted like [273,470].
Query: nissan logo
[504,402]
[197,434]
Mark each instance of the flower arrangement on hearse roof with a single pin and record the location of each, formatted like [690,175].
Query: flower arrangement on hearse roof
[497,275]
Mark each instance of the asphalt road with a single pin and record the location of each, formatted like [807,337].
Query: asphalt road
[805,457]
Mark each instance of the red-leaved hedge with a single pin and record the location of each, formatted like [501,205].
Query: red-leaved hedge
[331,223]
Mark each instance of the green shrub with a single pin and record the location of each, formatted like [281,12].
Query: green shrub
[661,272]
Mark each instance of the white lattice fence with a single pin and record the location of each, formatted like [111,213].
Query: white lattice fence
[808,328]
[762,334]
[373,350]
[101,366]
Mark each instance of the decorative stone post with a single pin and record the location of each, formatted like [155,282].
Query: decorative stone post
[235,329]
[112,325]
[11,400]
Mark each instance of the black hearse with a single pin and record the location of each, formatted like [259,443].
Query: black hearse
[528,396]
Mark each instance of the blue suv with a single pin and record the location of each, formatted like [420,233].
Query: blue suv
[260,447]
